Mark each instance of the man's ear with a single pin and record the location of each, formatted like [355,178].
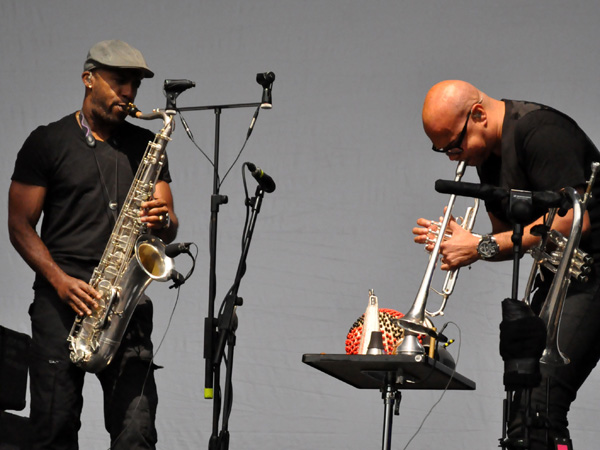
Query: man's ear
[87,79]
[478,112]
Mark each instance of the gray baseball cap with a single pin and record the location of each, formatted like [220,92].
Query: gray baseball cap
[117,54]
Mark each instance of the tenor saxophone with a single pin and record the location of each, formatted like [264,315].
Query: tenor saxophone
[131,260]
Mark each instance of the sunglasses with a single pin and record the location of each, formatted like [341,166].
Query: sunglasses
[454,148]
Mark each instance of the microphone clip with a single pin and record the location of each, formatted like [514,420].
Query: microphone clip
[266,81]
[177,279]
[174,250]
[172,89]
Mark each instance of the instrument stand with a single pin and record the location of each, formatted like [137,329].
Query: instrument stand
[390,374]
[391,399]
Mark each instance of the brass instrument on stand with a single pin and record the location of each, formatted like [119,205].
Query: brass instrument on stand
[416,321]
[566,261]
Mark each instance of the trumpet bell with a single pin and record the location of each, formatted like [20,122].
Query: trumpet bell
[410,345]
[552,358]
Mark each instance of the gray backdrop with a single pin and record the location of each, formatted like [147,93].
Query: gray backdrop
[353,169]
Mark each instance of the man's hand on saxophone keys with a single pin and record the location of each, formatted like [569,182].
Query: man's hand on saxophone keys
[159,215]
[155,214]
[78,294]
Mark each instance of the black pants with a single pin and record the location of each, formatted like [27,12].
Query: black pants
[579,340]
[130,397]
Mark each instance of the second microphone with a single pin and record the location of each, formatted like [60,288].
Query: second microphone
[264,181]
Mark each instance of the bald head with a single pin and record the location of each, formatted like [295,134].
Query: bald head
[446,105]
[453,105]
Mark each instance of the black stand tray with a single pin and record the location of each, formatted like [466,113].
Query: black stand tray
[378,371]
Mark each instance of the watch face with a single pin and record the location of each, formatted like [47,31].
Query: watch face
[487,248]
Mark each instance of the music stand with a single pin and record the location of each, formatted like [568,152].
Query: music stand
[390,374]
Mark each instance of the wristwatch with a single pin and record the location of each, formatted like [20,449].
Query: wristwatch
[487,247]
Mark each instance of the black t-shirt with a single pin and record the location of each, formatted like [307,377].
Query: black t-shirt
[543,149]
[80,183]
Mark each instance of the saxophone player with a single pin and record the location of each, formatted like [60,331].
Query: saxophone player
[528,146]
[76,172]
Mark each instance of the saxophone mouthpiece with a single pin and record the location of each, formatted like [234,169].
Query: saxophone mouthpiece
[133,110]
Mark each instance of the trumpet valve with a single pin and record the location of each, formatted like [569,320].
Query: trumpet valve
[434,230]
[584,257]
[580,272]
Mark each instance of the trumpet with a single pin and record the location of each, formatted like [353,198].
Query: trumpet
[467,222]
[416,321]
[566,261]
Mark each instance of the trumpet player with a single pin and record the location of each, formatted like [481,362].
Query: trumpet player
[76,172]
[528,146]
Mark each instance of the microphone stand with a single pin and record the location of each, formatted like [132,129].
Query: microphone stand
[522,332]
[227,324]
[211,354]
[214,341]
[215,201]
[517,373]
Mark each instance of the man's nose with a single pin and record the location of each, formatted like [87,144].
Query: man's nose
[129,91]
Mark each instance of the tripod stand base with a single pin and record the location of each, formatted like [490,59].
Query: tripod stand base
[389,374]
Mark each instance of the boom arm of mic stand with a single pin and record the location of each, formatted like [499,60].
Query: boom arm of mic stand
[220,107]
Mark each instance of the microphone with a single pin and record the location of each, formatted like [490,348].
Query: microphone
[266,81]
[487,192]
[264,180]
[172,250]
[178,86]
[482,191]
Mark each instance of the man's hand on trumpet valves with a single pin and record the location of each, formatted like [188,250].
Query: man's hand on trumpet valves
[426,233]
[428,230]
[459,247]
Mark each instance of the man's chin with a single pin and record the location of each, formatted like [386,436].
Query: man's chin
[117,115]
